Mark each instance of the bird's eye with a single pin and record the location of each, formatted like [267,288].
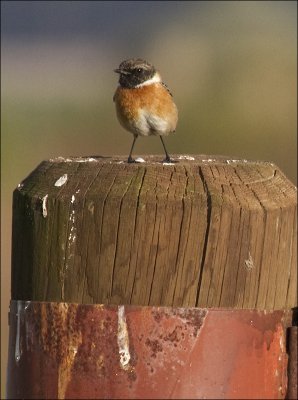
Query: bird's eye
[139,70]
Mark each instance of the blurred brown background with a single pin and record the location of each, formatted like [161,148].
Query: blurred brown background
[231,66]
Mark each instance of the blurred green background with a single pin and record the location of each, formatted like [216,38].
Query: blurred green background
[231,66]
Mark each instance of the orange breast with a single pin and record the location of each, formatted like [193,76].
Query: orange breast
[154,98]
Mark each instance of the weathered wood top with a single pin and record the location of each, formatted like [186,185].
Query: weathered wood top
[204,231]
[264,184]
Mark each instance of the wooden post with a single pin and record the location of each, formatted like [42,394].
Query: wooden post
[201,232]
[96,241]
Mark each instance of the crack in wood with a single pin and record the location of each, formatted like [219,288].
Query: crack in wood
[143,170]
[84,196]
[208,223]
[132,179]
[101,229]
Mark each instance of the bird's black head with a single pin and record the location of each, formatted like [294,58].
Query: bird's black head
[134,72]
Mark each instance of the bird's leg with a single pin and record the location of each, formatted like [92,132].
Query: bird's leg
[130,159]
[168,158]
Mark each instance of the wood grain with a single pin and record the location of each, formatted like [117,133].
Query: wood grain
[207,232]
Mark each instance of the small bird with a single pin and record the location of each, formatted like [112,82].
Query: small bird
[144,104]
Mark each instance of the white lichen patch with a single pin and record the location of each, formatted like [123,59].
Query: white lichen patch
[91,207]
[62,180]
[139,160]
[84,160]
[72,235]
[74,159]
[44,206]
[186,157]
[123,339]
[60,158]
[72,232]
[168,163]
[209,160]
[249,262]
[235,161]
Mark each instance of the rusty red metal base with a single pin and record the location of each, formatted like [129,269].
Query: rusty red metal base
[62,350]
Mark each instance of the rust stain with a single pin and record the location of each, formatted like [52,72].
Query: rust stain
[61,338]
[70,349]
[271,379]
[98,351]
[154,346]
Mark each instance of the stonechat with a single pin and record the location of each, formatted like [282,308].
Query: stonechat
[144,104]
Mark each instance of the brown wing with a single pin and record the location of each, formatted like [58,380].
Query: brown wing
[163,84]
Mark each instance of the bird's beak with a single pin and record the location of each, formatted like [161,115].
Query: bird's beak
[121,71]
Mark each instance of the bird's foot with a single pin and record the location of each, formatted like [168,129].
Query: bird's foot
[169,160]
[130,160]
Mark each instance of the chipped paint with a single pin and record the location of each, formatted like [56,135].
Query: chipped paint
[62,180]
[28,327]
[18,350]
[123,339]
[44,206]
[22,307]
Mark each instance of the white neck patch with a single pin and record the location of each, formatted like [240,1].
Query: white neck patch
[155,79]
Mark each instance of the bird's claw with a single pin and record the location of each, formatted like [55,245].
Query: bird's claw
[169,160]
